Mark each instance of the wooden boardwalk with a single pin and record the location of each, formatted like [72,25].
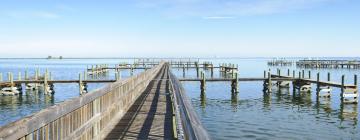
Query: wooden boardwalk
[150,117]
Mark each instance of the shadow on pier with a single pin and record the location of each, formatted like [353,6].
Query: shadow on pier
[150,117]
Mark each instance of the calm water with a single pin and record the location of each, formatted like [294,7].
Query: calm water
[15,107]
[250,114]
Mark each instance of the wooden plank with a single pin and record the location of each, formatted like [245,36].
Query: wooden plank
[34,122]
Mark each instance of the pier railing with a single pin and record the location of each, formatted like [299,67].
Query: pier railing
[83,117]
[187,122]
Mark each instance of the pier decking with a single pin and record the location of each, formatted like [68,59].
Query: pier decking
[150,117]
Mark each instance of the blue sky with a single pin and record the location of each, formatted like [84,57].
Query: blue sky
[162,28]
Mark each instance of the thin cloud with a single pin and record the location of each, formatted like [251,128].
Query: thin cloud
[32,14]
[232,8]
[218,17]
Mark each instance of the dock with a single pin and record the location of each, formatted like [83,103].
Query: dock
[149,105]
[348,64]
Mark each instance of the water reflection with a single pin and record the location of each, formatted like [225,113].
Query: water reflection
[203,99]
[266,100]
[348,112]
[323,103]
[234,101]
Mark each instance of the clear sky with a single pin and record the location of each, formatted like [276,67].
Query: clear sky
[123,28]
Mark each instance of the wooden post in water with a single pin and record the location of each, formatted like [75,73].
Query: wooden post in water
[269,83]
[235,84]
[342,83]
[36,78]
[355,80]
[184,70]
[26,75]
[279,72]
[264,73]
[212,70]
[203,82]
[197,69]
[288,72]
[294,74]
[328,76]
[318,83]
[309,74]
[303,74]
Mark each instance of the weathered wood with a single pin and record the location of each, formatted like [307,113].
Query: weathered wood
[112,97]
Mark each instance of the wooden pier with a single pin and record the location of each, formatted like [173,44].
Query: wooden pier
[348,64]
[149,105]
[280,62]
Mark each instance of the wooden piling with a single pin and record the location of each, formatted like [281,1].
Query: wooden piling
[288,72]
[342,83]
[269,83]
[294,74]
[309,74]
[303,74]
[184,71]
[26,75]
[212,70]
[317,83]
[197,69]
[202,82]
[355,80]
[279,72]
[264,73]
[328,76]
[235,85]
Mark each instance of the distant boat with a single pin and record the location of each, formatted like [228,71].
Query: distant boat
[10,91]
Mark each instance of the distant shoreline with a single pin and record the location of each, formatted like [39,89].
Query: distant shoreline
[181,58]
